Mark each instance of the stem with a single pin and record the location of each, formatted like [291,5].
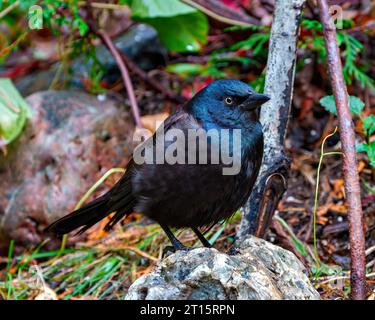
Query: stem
[85,197]
[125,75]
[322,155]
[120,62]
[9,9]
[99,5]
[220,12]
[350,173]
[96,185]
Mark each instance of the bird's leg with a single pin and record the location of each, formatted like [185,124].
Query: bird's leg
[177,245]
[201,238]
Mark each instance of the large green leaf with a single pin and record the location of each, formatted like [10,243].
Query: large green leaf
[14,111]
[181,28]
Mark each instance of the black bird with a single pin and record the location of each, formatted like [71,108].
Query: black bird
[183,194]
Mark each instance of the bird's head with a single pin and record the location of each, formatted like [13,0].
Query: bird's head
[227,100]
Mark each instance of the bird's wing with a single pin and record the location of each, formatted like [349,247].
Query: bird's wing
[178,118]
[121,193]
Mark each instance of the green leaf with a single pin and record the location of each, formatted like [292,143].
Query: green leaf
[255,43]
[369,124]
[159,8]
[369,149]
[81,25]
[361,147]
[14,111]
[186,69]
[356,105]
[183,33]
[181,28]
[328,102]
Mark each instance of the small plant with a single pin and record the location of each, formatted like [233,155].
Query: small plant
[368,124]
[312,40]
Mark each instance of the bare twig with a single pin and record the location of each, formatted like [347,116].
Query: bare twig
[335,278]
[220,12]
[9,9]
[322,155]
[100,5]
[352,188]
[8,49]
[153,83]
[271,182]
[370,250]
[120,62]
[125,75]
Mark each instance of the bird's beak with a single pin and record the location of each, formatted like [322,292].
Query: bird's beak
[254,101]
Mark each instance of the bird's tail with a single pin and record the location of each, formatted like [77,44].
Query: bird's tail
[84,217]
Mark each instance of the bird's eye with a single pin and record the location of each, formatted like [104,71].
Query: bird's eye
[228,100]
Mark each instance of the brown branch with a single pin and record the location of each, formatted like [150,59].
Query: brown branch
[349,166]
[271,182]
[125,75]
[106,39]
[153,83]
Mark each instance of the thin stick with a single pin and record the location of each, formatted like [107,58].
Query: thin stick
[352,188]
[153,83]
[322,155]
[120,63]
[85,197]
[369,275]
[99,5]
[134,249]
[9,9]
[6,50]
[125,76]
[97,184]
[219,17]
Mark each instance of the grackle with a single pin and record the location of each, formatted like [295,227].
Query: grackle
[182,193]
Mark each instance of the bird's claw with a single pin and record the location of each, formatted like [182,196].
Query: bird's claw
[173,249]
[234,251]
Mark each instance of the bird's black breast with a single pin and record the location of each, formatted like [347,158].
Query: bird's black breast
[195,195]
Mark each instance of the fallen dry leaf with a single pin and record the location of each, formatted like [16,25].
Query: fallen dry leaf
[152,122]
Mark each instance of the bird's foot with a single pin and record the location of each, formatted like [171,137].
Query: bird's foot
[172,249]
[234,251]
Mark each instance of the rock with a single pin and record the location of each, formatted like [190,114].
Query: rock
[140,43]
[46,293]
[259,270]
[71,140]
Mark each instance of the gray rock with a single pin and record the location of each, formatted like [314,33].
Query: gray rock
[258,271]
[71,140]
